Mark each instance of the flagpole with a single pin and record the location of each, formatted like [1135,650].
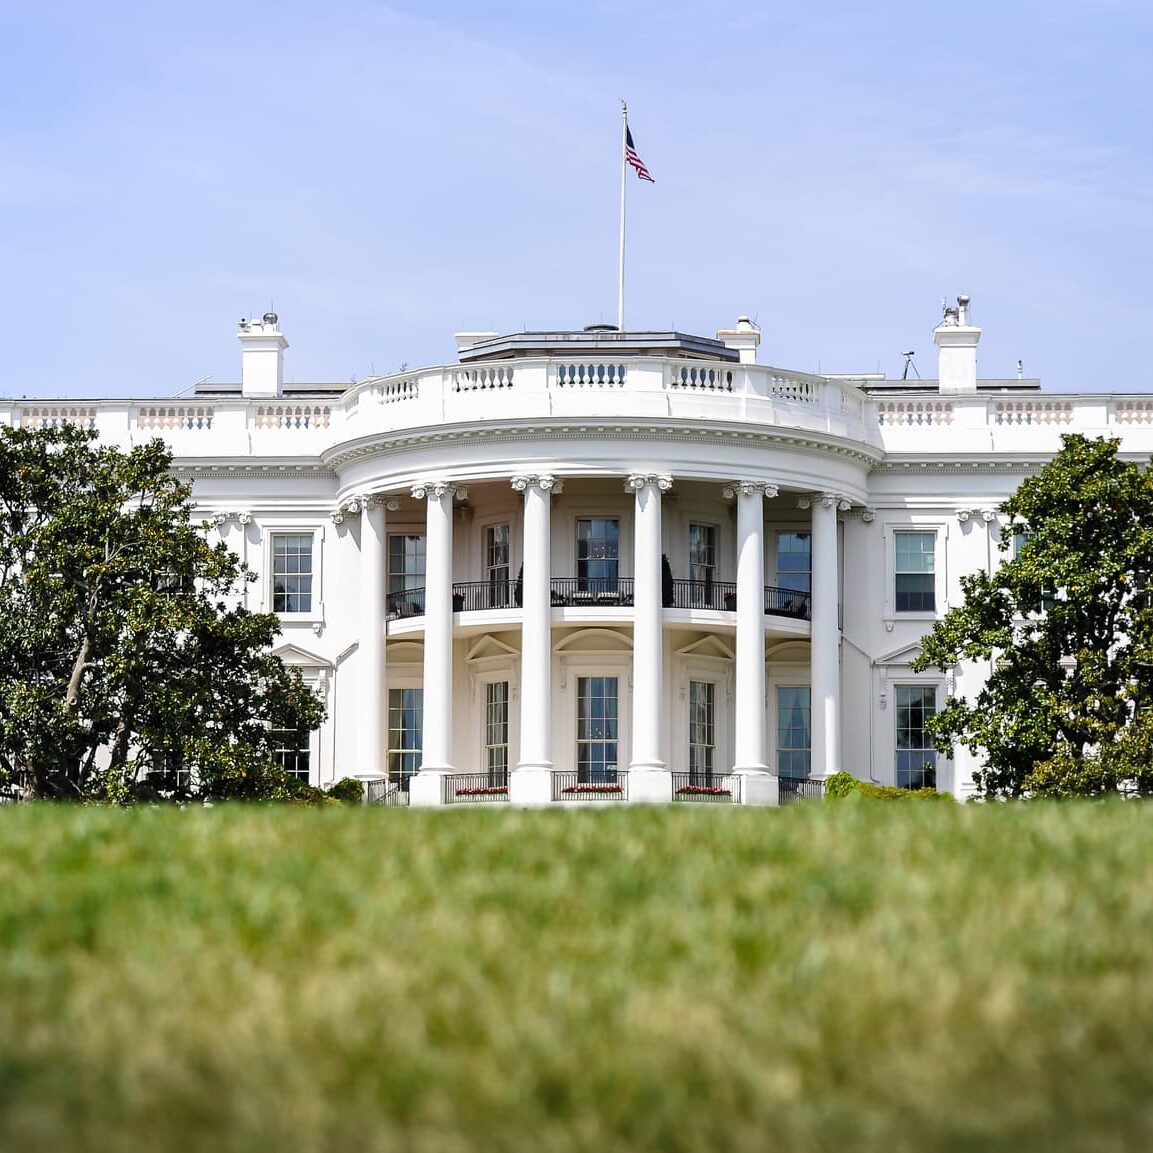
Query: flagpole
[621,280]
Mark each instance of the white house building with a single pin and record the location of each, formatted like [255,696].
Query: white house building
[593,565]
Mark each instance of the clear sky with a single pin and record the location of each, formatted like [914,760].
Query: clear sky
[386,174]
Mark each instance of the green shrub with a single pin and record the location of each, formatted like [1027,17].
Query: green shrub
[350,791]
[842,785]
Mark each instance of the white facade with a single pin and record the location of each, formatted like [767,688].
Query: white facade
[468,560]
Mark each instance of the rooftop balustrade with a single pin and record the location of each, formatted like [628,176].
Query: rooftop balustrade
[225,424]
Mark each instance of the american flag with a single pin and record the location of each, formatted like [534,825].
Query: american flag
[632,158]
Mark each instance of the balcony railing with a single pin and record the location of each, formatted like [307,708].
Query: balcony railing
[405,603]
[481,596]
[386,792]
[599,592]
[588,592]
[793,789]
[707,788]
[787,603]
[476,788]
[703,595]
[568,786]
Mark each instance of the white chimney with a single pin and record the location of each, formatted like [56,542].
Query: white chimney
[956,340]
[744,338]
[467,340]
[261,356]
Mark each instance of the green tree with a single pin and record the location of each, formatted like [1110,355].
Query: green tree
[123,650]
[1065,628]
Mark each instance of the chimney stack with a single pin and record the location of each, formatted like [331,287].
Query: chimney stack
[262,348]
[744,338]
[956,340]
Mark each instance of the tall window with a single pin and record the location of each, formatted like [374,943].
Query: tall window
[702,562]
[496,732]
[496,557]
[598,554]
[794,730]
[405,725]
[406,573]
[795,561]
[702,732]
[597,730]
[290,749]
[916,766]
[292,573]
[915,568]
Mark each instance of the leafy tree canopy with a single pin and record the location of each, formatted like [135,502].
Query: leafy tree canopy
[125,658]
[1065,628]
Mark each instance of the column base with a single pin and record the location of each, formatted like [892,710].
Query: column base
[650,785]
[426,789]
[530,785]
[758,786]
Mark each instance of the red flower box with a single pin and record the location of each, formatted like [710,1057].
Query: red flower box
[706,790]
[595,788]
[482,791]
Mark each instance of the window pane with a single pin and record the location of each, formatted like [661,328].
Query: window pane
[702,732]
[405,734]
[598,550]
[405,561]
[596,729]
[915,551]
[292,573]
[916,756]
[795,561]
[794,730]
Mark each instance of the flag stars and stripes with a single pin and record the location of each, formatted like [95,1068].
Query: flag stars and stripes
[634,160]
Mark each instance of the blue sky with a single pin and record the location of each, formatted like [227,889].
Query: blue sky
[388,174]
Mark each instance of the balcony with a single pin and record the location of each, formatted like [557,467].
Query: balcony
[599,592]
[611,785]
[706,788]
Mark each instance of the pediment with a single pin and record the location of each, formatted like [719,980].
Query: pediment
[406,652]
[595,641]
[302,658]
[709,646]
[789,652]
[488,647]
[905,655]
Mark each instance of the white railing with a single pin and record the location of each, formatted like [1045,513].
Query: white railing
[795,387]
[167,418]
[589,374]
[482,377]
[703,377]
[915,412]
[293,416]
[1033,411]
[54,415]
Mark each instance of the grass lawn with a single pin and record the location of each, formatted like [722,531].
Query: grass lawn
[845,976]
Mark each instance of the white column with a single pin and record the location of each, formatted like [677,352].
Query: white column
[825,675]
[373,711]
[427,786]
[759,786]
[649,778]
[530,783]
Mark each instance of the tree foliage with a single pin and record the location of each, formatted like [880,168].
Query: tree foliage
[126,660]
[1065,628]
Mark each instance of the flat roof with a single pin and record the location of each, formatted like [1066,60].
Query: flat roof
[599,340]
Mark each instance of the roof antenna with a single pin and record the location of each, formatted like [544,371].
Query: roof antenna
[909,364]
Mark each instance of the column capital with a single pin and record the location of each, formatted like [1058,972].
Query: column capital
[436,489]
[638,480]
[544,481]
[825,500]
[762,488]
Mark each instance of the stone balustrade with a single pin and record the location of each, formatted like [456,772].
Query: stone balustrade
[603,388]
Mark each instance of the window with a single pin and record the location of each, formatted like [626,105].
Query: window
[702,562]
[405,734]
[496,558]
[287,750]
[496,732]
[794,730]
[598,554]
[597,730]
[916,582]
[795,561]
[292,573]
[916,766]
[405,574]
[702,732]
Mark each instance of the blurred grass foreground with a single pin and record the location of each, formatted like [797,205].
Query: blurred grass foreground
[845,976]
